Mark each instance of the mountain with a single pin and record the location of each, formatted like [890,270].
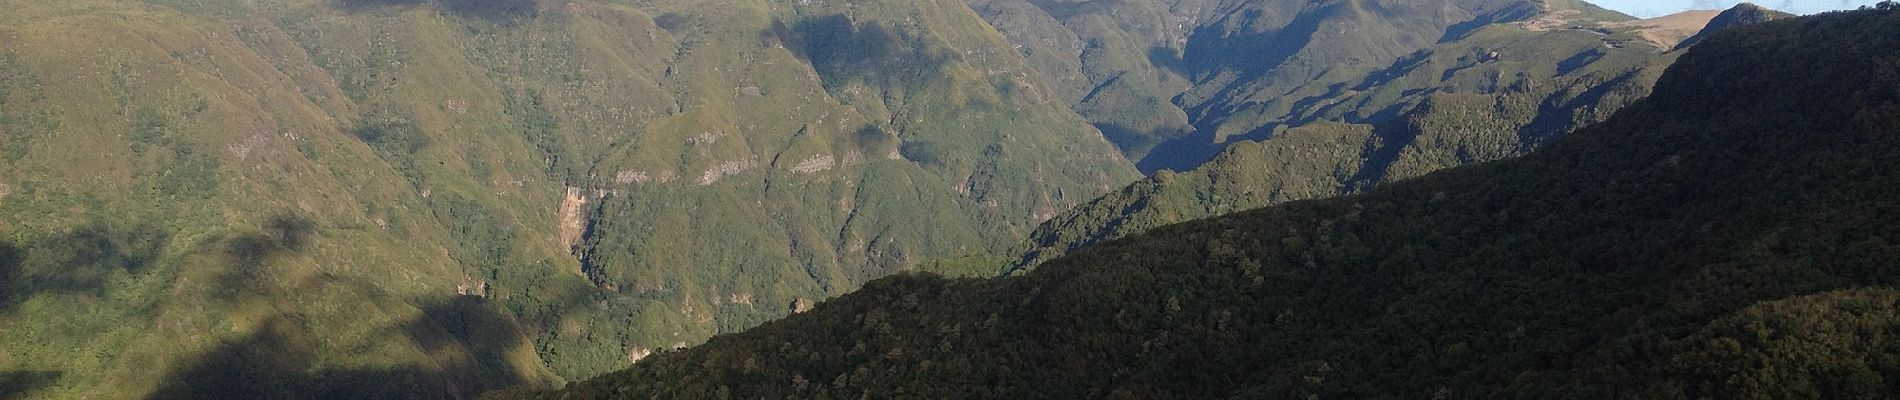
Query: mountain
[435,198]
[1172,82]
[432,198]
[1114,62]
[1741,15]
[1728,237]
[1494,92]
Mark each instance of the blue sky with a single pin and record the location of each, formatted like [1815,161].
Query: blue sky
[1652,8]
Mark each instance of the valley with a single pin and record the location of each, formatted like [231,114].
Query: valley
[1727,237]
[312,199]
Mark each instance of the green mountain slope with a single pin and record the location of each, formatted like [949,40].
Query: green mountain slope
[1498,91]
[433,198]
[1116,62]
[1173,82]
[1729,237]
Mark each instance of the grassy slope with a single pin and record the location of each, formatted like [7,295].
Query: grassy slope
[180,189]
[306,189]
[940,148]
[1116,62]
[1171,82]
[1252,63]
[1449,105]
[1731,237]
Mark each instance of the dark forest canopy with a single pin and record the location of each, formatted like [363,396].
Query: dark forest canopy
[1730,237]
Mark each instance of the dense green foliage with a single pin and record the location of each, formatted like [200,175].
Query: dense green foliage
[1730,237]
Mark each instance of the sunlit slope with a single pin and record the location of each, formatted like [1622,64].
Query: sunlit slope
[182,194]
[435,198]
[1173,82]
[1731,236]
[1495,92]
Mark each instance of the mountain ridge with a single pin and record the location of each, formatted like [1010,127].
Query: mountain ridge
[336,194]
[1700,243]
[1742,14]
[438,198]
[1541,75]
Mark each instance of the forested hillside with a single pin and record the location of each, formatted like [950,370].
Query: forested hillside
[1732,236]
[432,198]
[1493,92]
[1173,82]
[437,198]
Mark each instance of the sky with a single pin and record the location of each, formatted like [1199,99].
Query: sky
[1654,8]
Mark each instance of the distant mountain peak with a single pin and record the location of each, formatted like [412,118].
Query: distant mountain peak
[1688,247]
[1749,7]
[1744,14]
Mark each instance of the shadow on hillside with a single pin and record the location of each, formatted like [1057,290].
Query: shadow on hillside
[1252,54]
[1178,153]
[478,333]
[371,5]
[250,254]
[1170,59]
[277,236]
[465,338]
[1548,126]
[83,260]
[1139,141]
[490,10]
[843,50]
[19,384]
[76,262]
[275,362]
